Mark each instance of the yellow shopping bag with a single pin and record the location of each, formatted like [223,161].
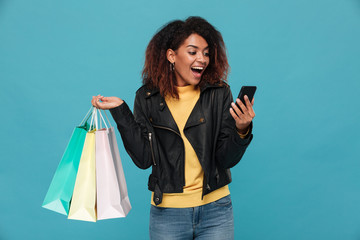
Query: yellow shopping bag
[83,201]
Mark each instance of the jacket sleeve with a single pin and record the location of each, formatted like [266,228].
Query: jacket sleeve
[230,146]
[134,133]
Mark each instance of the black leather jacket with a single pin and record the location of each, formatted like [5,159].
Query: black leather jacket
[152,138]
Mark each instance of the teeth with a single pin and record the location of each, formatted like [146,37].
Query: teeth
[198,68]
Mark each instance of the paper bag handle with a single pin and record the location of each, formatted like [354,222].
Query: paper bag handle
[87,116]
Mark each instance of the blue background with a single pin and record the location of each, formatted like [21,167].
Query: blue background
[300,176]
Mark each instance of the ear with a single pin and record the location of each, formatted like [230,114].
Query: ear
[170,55]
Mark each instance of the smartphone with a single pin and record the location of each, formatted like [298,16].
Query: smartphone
[248,91]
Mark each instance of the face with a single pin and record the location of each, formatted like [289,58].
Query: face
[191,60]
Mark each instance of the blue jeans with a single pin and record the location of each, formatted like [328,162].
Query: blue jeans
[213,221]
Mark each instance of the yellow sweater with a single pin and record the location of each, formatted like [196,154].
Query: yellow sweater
[194,174]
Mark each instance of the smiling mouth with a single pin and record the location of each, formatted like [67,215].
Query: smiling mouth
[197,71]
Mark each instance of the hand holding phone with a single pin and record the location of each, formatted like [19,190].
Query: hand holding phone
[243,118]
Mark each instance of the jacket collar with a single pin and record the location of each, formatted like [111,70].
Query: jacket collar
[208,85]
[152,91]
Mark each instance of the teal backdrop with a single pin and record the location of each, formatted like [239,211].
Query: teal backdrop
[299,178]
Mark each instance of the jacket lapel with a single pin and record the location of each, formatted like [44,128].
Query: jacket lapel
[166,120]
[196,117]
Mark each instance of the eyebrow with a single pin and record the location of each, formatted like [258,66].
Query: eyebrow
[196,46]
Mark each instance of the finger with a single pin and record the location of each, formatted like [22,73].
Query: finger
[233,114]
[100,105]
[236,109]
[249,105]
[96,102]
[98,97]
[251,112]
[242,106]
[104,99]
[93,101]
[247,101]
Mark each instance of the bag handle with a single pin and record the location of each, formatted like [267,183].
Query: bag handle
[87,115]
[102,118]
[93,122]
[107,118]
[95,119]
[93,113]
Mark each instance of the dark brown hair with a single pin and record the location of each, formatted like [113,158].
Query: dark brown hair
[157,72]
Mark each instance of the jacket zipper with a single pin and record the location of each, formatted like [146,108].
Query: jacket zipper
[151,148]
[167,129]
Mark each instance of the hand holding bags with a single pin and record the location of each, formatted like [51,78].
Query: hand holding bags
[100,190]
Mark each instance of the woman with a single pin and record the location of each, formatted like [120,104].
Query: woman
[186,126]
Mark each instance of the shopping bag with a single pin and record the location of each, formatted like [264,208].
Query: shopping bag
[125,201]
[112,196]
[61,188]
[83,201]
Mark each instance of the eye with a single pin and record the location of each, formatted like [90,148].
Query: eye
[206,54]
[192,53]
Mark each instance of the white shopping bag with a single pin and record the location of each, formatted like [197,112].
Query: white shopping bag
[112,196]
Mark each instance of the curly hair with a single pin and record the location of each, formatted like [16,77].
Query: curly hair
[156,72]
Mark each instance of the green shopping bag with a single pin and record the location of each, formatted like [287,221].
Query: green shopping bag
[62,185]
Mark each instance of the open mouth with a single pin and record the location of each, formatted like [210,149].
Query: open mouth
[197,71]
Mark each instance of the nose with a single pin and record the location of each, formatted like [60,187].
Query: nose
[201,58]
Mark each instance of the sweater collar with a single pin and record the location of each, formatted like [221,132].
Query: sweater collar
[152,91]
